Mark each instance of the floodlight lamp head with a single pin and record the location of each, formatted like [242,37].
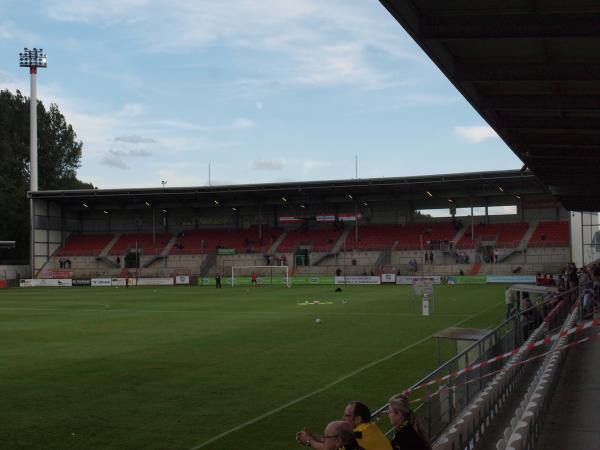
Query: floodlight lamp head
[33,58]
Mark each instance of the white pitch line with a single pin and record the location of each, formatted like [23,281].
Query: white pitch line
[333,383]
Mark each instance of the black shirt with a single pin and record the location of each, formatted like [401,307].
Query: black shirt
[406,438]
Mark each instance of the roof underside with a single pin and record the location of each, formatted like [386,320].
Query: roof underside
[531,68]
[498,187]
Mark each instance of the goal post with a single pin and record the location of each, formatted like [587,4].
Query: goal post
[265,275]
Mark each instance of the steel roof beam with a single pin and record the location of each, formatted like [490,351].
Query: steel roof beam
[502,26]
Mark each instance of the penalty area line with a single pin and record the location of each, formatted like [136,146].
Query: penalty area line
[330,385]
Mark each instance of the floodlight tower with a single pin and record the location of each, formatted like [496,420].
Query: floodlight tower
[33,59]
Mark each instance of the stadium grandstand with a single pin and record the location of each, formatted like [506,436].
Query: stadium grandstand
[327,227]
[531,73]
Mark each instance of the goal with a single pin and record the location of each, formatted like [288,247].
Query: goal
[265,275]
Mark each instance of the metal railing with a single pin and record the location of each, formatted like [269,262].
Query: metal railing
[440,405]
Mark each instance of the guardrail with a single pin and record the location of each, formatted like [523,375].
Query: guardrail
[456,415]
[525,426]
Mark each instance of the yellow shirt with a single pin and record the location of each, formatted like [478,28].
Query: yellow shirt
[370,437]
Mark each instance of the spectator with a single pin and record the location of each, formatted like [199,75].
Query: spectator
[367,433]
[426,257]
[409,431]
[587,300]
[430,257]
[337,436]
[530,317]
[118,261]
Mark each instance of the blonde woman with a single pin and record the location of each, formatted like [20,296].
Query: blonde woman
[410,434]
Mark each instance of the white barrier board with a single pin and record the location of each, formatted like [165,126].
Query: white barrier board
[182,279]
[29,282]
[388,277]
[357,280]
[155,282]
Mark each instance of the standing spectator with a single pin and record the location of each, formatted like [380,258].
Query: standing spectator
[218,280]
[430,257]
[426,257]
[118,261]
[409,431]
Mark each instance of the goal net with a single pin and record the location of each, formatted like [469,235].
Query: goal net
[265,275]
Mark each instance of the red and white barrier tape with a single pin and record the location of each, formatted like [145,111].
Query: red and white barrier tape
[526,361]
[547,340]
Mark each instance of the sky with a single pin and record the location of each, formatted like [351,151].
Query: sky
[260,90]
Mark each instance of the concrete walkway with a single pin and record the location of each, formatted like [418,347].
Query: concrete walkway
[572,421]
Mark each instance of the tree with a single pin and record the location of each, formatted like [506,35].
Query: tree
[59,155]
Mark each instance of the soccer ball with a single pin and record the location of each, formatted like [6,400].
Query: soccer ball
[317,320]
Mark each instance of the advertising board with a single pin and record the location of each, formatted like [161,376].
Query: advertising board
[357,280]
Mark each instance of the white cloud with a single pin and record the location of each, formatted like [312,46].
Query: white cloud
[309,165]
[112,160]
[9,31]
[476,134]
[267,164]
[318,43]
[135,140]
[241,124]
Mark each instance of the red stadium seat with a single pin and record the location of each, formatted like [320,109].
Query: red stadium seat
[143,241]
[506,235]
[85,245]
[550,234]
[320,240]
[242,241]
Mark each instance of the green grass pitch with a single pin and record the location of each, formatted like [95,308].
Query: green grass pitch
[171,368]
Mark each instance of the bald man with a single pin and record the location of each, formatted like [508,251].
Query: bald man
[338,435]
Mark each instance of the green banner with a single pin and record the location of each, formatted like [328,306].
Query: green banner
[226,251]
[467,279]
[299,281]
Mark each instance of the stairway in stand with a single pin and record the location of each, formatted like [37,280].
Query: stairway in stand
[475,269]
